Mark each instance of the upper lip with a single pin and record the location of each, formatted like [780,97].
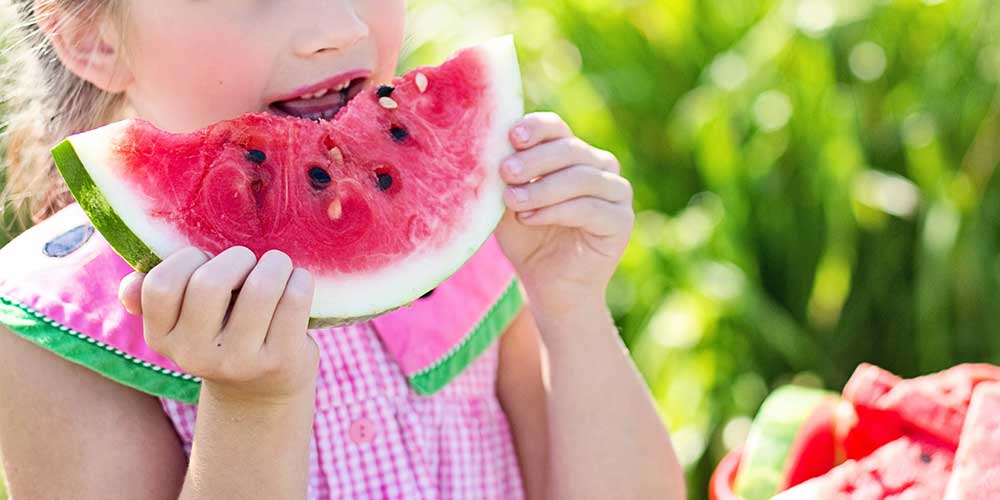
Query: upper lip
[330,83]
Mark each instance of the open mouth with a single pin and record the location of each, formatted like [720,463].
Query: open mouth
[322,104]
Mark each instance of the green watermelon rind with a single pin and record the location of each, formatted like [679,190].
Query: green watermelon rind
[99,210]
[771,438]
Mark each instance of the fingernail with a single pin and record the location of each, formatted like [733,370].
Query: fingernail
[528,214]
[520,194]
[521,133]
[514,166]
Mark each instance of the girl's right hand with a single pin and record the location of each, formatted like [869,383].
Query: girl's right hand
[253,349]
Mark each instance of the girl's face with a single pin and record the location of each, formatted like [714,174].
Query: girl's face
[196,62]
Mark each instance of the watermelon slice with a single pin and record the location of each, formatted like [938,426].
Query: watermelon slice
[868,426]
[934,404]
[977,463]
[906,469]
[381,204]
[791,440]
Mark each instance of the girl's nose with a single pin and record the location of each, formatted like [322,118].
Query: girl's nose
[330,26]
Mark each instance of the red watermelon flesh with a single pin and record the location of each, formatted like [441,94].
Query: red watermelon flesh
[814,451]
[381,203]
[937,403]
[933,404]
[977,463]
[868,383]
[908,468]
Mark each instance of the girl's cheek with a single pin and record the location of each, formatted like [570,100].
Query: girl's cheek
[387,21]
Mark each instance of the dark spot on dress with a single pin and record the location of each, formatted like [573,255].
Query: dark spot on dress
[68,242]
[399,134]
[385,90]
[319,177]
[257,156]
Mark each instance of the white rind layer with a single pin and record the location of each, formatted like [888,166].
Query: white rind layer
[357,295]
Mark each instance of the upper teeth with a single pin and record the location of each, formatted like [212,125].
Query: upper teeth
[315,95]
[323,92]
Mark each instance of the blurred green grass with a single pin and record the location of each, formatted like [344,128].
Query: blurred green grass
[814,183]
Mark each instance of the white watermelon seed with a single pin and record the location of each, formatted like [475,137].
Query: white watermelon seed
[336,155]
[335,210]
[421,81]
[387,103]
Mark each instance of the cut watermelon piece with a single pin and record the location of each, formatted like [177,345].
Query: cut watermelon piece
[977,463]
[381,204]
[906,469]
[933,404]
[791,440]
[869,427]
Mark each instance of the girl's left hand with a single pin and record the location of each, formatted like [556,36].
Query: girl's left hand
[569,214]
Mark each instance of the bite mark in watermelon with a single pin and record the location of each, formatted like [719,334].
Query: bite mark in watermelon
[908,468]
[380,204]
[977,463]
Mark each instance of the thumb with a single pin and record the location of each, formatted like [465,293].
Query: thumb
[130,292]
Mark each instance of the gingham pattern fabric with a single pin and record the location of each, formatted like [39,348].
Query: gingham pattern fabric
[374,438]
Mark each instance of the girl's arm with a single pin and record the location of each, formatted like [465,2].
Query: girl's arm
[568,222]
[67,432]
[256,360]
[582,418]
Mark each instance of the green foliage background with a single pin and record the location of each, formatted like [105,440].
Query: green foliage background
[814,183]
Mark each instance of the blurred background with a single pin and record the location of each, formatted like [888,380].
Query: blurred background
[814,183]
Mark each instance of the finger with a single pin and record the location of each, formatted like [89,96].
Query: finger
[573,182]
[163,292]
[130,293]
[593,215]
[536,128]
[522,167]
[291,317]
[255,305]
[210,291]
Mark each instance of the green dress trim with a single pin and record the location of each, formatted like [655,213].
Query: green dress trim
[433,378]
[163,382]
[96,355]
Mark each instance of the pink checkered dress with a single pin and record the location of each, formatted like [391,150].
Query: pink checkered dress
[374,438]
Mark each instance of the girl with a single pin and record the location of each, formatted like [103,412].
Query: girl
[555,409]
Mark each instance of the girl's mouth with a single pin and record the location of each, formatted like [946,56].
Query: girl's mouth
[323,104]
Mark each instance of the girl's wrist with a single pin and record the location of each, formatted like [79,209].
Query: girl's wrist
[228,398]
[562,301]
[567,308]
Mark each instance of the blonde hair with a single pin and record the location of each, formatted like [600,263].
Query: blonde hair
[44,103]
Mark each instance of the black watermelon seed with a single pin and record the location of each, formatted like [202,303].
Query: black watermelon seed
[428,294]
[384,181]
[257,156]
[384,90]
[319,177]
[925,458]
[399,134]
